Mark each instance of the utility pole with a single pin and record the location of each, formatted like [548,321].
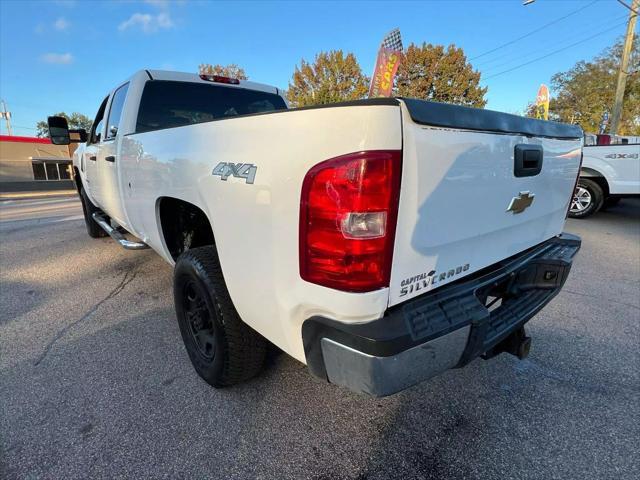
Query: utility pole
[624,65]
[7,117]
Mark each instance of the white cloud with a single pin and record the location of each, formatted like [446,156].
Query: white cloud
[148,23]
[61,24]
[57,58]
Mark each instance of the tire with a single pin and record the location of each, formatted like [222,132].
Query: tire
[610,202]
[587,199]
[88,209]
[222,348]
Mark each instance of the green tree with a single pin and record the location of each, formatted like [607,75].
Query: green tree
[431,72]
[584,92]
[232,70]
[76,120]
[332,77]
[530,111]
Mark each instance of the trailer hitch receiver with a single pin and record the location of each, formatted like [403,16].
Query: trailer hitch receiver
[517,344]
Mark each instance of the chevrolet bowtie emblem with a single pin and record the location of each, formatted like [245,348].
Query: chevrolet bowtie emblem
[520,203]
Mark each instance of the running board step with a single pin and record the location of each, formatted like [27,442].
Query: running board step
[116,235]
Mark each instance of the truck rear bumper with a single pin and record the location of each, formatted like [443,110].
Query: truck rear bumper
[442,329]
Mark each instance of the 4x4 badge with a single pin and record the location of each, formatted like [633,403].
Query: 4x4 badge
[520,203]
[239,170]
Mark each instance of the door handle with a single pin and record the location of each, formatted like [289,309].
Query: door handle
[92,157]
[110,158]
[527,160]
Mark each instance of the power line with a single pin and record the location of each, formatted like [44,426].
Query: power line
[627,6]
[516,55]
[556,43]
[554,52]
[543,46]
[511,42]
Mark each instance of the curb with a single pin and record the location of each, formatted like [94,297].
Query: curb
[36,195]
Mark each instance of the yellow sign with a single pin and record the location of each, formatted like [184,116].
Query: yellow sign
[542,103]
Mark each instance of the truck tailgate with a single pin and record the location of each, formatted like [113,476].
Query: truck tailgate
[464,204]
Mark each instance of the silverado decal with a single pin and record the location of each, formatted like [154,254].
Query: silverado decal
[419,282]
[239,170]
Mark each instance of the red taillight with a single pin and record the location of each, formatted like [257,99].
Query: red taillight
[219,79]
[348,214]
[603,139]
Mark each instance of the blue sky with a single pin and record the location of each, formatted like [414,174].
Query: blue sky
[65,55]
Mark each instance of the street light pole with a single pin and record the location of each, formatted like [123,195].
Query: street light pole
[624,65]
[7,117]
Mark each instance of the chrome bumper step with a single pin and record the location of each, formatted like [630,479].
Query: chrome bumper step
[101,220]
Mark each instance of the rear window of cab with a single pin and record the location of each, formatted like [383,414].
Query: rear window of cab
[168,104]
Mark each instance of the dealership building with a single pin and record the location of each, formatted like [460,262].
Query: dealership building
[30,163]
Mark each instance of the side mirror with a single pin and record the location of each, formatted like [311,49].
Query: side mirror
[78,135]
[59,130]
[113,131]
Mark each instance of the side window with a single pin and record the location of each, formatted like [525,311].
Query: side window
[115,111]
[96,129]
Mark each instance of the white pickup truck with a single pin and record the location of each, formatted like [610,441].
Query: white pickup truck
[381,241]
[608,174]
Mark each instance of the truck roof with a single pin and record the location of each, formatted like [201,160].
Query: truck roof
[194,77]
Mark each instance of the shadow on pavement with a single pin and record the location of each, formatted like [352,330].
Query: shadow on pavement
[116,395]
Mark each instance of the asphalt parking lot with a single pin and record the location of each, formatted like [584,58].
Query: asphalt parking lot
[95,382]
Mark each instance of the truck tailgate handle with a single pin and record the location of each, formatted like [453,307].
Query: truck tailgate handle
[527,160]
[110,158]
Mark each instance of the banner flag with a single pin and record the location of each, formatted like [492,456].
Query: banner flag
[387,64]
[542,103]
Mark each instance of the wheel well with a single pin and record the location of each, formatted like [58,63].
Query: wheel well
[597,177]
[184,226]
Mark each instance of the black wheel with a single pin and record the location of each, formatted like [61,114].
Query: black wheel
[611,202]
[222,348]
[88,209]
[587,199]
